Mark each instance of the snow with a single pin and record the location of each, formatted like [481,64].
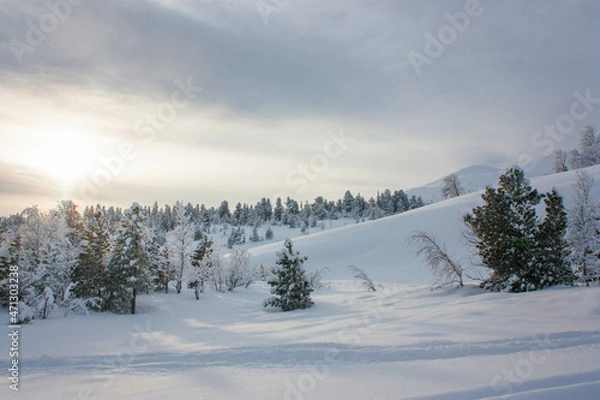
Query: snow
[403,341]
[476,177]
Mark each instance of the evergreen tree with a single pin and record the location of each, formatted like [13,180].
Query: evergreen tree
[288,282]
[269,234]
[507,231]
[201,262]
[11,258]
[254,237]
[236,237]
[131,262]
[90,275]
[553,267]
[223,212]
[278,210]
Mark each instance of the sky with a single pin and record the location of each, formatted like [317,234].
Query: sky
[118,101]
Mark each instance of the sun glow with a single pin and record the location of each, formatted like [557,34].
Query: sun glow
[64,155]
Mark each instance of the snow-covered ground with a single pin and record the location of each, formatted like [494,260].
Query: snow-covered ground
[403,341]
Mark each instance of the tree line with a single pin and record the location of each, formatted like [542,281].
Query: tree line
[102,258]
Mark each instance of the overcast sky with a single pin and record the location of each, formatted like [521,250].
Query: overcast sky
[118,101]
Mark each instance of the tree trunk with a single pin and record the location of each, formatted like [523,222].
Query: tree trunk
[133,301]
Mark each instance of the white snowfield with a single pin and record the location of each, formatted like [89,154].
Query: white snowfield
[403,341]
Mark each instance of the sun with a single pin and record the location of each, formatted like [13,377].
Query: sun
[66,156]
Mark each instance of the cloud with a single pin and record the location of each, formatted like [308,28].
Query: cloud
[275,82]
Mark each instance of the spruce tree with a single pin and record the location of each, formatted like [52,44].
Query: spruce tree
[506,231]
[90,275]
[552,266]
[201,263]
[269,233]
[130,266]
[288,282]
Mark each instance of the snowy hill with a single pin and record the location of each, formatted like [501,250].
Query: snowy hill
[380,248]
[402,342]
[477,177]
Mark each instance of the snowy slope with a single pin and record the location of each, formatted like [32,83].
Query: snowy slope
[380,247]
[404,342]
[477,177]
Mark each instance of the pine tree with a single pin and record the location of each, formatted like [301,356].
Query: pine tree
[130,265]
[506,230]
[90,275]
[269,233]
[236,237]
[254,237]
[11,258]
[201,262]
[278,210]
[288,281]
[552,267]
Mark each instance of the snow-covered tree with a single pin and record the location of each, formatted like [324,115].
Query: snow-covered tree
[217,271]
[238,271]
[278,210]
[11,260]
[61,257]
[254,237]
[130,266]
[223,212]
[269,234]
[90,274]
[236,237]
[32,236]
[451,187]
[559,162]
[288,281]
[553,267]
[202,265]
[589,149]
[509,235]
[583,230]
[180,245]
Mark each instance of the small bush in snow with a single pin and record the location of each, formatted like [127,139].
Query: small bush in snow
[438,260]
[25,313]
[364,279]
